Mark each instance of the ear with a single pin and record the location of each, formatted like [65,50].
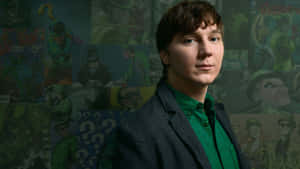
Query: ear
[164,56]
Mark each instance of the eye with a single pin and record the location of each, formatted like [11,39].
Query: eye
[215,39]
[188,41]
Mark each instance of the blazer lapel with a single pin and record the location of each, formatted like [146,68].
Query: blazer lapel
[185,132]
[180,124]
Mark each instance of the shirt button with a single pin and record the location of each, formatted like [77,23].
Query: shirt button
[205,124]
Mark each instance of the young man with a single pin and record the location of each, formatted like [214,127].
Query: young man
[180,127]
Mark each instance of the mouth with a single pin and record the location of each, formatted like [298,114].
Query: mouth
[204,66]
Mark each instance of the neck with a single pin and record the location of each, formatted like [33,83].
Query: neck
[194,90]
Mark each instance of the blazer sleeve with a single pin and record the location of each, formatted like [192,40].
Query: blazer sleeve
[133,151]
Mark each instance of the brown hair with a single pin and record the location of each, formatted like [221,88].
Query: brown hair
[185,17]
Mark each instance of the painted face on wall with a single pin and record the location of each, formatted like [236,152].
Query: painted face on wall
[236,128]
[254,131]
[273,92]
[195,58]
[60,40]
[130,97]
[285,128]
[93,66]
[154,77]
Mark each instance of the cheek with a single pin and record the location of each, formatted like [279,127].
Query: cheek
[181,57]
[184,53]
[219,56]
[219,65]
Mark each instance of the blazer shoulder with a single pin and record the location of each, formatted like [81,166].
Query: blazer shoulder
[146,119]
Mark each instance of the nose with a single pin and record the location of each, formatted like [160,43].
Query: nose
[205,49]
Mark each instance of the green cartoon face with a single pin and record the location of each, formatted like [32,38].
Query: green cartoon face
[284,46]
[273,91]
[129,97]
[254,131]
[285,128]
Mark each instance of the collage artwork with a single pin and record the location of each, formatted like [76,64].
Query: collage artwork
[70,71]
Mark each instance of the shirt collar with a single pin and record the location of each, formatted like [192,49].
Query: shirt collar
[189,104]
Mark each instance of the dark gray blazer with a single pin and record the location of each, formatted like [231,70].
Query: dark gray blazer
[159,136]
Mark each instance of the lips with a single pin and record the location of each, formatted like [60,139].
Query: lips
[204,65]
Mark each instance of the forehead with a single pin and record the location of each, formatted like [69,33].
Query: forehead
[202,30]
[208,29]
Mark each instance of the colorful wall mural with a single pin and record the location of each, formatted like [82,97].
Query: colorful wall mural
[71,71]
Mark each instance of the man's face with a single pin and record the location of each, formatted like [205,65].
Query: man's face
[274,92]
[195,58]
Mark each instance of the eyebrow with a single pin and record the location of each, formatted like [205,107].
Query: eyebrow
[215,31]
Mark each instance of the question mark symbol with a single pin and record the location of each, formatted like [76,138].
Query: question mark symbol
[110,123]
[87,128]
[82,154]
[98,140]
[92,161]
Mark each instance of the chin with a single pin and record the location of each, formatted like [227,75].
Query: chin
[204,80]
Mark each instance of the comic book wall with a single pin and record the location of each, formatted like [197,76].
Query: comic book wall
[70,72]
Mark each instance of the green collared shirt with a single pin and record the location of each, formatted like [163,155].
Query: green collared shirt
[195,113]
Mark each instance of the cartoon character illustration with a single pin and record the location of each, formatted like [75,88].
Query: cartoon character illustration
[58,102]
[60,40]
[24,130]
[255,147]
[268,90]
[59,43]
[14,13]
[264,56]
[64,152]
[283,45]
[129,98]
[274,48]
[138,71]
[94,73]
[283,152]
[286,124]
